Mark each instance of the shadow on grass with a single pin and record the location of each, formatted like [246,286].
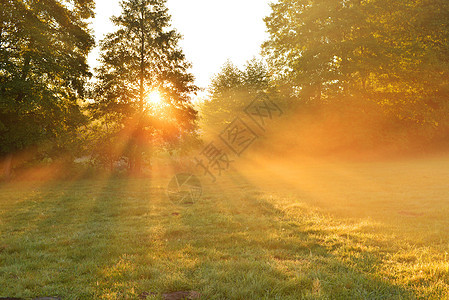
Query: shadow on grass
[56,241]
[246,248]
[117,239]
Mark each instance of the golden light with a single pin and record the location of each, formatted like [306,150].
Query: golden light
[154,98]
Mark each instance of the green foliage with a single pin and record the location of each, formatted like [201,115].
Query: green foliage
[392,52]
[43,69]
[142,56]
[232,90]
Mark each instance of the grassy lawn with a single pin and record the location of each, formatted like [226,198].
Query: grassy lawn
[311,231]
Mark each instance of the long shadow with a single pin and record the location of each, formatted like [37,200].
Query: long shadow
[76,245]
[58,237]
[273,256]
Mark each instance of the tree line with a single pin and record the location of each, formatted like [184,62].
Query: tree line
[390,57]
[377,70]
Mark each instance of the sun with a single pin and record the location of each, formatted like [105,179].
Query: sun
[155,98]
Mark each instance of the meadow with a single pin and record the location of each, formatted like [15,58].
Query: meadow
[306,229]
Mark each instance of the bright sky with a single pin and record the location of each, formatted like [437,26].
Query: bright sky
[213,31]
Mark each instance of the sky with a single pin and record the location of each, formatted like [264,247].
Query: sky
[213,31]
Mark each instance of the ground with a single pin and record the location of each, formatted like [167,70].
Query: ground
[308,229]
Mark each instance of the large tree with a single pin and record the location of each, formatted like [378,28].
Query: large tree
[392,52]
[43,69]
[142,58]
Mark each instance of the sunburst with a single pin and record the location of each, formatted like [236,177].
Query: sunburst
[155,98]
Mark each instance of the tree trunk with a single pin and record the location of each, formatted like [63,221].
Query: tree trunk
[136,167]
[135,159]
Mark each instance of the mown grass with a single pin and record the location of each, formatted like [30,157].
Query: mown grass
[251,236]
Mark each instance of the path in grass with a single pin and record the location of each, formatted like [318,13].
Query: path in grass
[116,239]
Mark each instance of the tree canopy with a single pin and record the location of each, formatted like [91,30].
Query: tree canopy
[378,61]
[393,52]
[43,70]
[141,58]
[231,90]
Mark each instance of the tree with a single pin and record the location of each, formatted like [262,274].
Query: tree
[43,69]
[392,52]
[324,47]
[231,90]
[140,59]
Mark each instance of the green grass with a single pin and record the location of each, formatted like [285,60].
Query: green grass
[346,231]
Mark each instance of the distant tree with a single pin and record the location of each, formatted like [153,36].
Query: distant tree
[256,78]
[43,70]
[231,90]
[141,57]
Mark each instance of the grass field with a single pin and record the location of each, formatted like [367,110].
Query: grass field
[311,230]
